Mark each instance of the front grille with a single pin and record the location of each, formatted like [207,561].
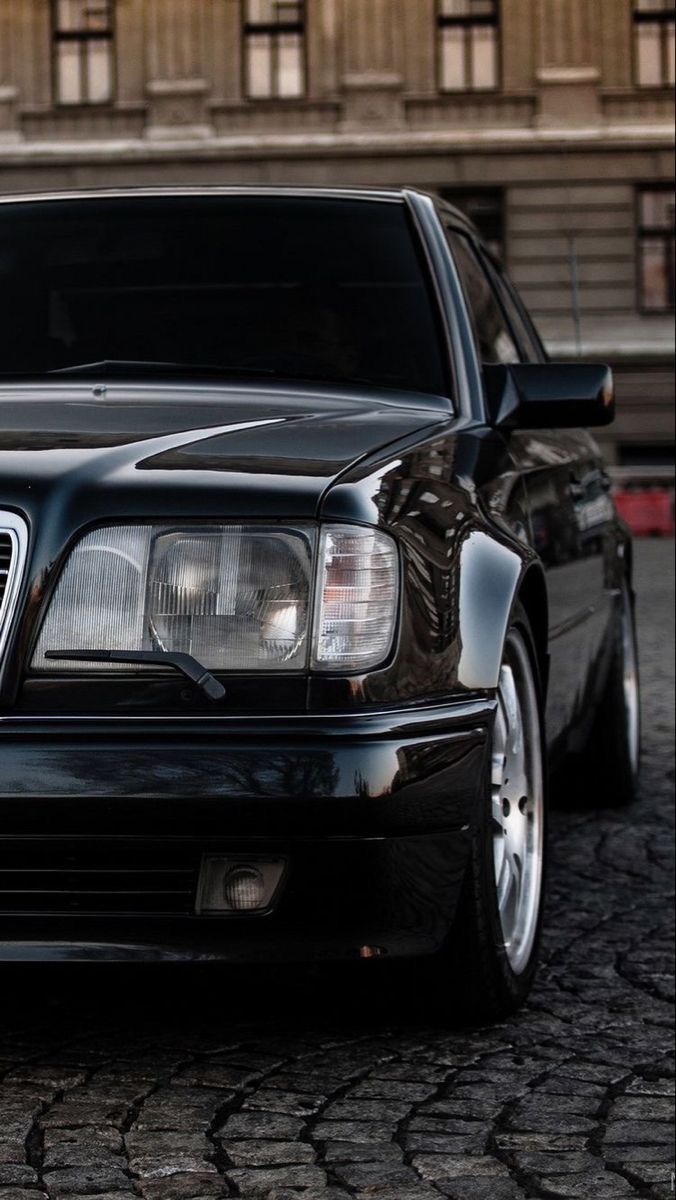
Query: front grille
[13,550]
[87,876]
[6,562]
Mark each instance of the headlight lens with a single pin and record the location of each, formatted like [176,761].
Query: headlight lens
[235,597]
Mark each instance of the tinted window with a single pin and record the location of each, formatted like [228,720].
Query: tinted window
[321,288]
[519,323]
[494,339]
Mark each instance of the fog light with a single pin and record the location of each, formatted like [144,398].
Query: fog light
[233,885]
[244,888]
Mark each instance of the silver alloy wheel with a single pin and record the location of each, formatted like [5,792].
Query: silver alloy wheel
[630,680]
[517,798]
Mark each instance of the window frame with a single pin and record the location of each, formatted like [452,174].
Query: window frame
[444,21]
[455,197]
[273,29]
[667,234]
[477,250]
[80,37]
[657,16]
[504,285]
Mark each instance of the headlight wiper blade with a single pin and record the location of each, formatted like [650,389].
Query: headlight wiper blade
[185,663]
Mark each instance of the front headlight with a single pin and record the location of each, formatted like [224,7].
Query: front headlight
[235,597]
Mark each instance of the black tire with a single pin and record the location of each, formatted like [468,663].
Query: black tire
[607,772]
[478,979]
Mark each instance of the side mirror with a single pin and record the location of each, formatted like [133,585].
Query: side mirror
[549,395]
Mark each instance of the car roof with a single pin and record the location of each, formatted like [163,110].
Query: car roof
[382,195]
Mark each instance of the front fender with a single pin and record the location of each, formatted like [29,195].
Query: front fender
[489,579]
[463,564]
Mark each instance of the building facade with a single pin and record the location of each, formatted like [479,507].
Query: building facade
[549,121]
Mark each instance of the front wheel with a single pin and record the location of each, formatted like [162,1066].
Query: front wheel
[492,953]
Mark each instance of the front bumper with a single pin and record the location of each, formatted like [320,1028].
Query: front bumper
[104,822]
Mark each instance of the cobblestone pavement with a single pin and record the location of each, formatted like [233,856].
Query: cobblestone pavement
[195,1086]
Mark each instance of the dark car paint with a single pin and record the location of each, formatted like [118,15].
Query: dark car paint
[379,776]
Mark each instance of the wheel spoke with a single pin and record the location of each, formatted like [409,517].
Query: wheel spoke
[516,801]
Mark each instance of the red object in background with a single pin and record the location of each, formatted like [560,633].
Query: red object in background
[647,512]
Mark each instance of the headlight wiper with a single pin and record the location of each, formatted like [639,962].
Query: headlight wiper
[185,663]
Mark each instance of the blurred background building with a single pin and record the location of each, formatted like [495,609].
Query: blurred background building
[549,121]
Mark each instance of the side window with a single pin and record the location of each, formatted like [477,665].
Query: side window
[495,342]
[529,343]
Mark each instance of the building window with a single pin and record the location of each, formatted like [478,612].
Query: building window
[83,51]
[274,36]
[485,208]
[654,36]
[656,230]
[468,44]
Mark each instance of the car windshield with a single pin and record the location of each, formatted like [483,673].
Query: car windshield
[302,287]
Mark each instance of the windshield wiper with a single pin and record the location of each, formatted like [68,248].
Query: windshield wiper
[130,366]
[185,663]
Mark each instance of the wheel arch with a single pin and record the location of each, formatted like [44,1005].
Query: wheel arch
[532,594]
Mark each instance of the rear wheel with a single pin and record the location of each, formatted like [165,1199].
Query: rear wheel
[492,954]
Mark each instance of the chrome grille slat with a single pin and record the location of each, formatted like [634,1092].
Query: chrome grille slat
[13,552]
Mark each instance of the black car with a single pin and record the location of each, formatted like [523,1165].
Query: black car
[309,574]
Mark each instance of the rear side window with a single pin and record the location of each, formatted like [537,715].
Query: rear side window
[494,339]
[298,287]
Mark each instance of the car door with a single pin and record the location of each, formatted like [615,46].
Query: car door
[562,480]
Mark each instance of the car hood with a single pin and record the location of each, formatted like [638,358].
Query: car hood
[162,449]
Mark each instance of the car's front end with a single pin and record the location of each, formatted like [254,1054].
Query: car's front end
[321,806]
[261,560]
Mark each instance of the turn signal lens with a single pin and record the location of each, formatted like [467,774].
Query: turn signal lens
[357,598]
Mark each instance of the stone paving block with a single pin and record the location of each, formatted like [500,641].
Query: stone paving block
[642,1133]
[649,1172]
[658,1153]
[76,1154]
[437,1167]
[260,1125]
[337,1152]
[90,1137]
[259,1183]
[260,1153]
[15,1193]
[17,1175]
[481,1189]
[652,1087]
[392,1089]
[191,1186]
[153,1166]
[293,1103]
[362,1177]
[12,1150]
[70,1116]
[644,1108]
[539,1162]
[599,1186]
[80,1180]
[352,1131]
